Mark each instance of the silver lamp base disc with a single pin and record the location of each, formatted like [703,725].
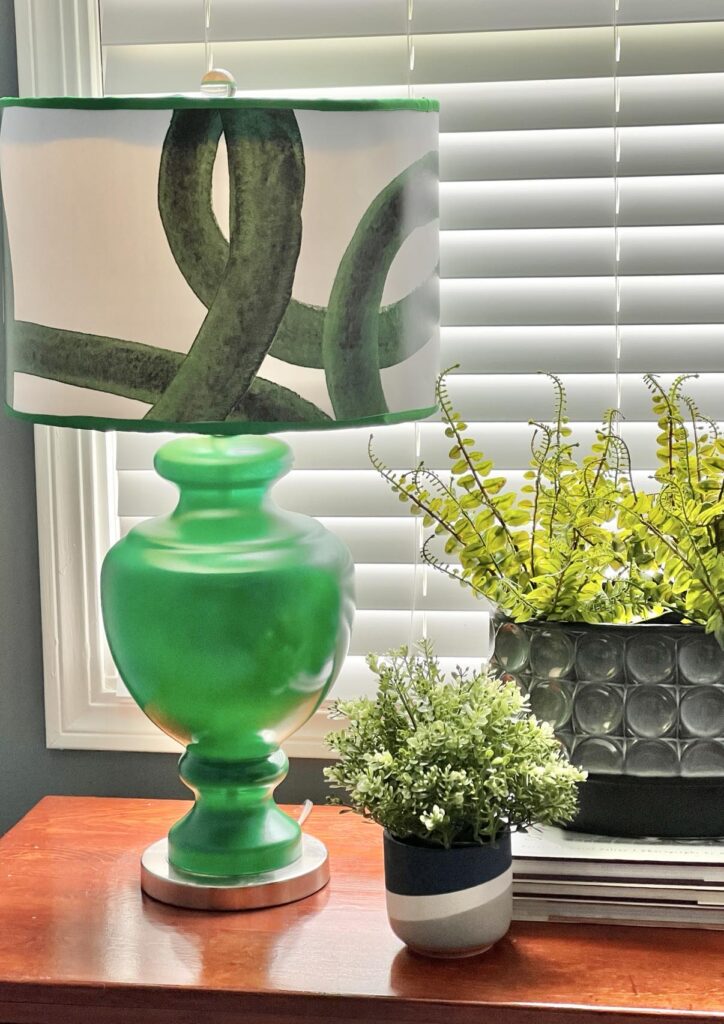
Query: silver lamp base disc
[245,892]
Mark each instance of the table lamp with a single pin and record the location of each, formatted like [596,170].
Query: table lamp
[222,268]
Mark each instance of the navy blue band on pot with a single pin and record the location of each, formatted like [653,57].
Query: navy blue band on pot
[416,870]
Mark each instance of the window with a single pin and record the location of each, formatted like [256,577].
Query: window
[582,217]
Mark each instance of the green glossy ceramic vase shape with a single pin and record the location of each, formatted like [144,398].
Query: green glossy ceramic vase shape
[229,620]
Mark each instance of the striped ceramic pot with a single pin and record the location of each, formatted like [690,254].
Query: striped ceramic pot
[449,903]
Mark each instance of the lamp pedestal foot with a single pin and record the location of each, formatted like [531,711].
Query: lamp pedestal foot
[234,827]
[306,875]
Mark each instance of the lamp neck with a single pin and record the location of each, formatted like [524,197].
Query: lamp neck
[223,478]
[223,500]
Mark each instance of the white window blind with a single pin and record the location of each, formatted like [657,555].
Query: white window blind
[582,232]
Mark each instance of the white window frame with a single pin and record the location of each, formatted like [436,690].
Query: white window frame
[59,53]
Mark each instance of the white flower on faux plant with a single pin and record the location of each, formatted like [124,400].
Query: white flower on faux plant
[434,818]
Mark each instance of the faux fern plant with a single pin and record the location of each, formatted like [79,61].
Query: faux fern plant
[579,542]
[677,531]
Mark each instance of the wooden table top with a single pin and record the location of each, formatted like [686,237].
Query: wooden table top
[80,942]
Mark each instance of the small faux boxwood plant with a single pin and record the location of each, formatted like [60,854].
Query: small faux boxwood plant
[579,542]
[448,761]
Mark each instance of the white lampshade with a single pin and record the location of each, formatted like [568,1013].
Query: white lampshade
[220,264]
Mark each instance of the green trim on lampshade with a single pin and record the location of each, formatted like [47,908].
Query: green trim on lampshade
[175,101]
[225,427]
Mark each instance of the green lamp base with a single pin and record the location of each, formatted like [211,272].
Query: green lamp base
[229,620]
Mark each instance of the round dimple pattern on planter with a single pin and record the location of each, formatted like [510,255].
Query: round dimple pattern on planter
[644,700]
[701,661]
[651,710]
[550,700]
[599,709]
[551,653]
[600,657]
[512,647]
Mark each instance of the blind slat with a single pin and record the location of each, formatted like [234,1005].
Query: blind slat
[527,253]
[584,152]
[687,199]
[578,348]
[671,99]
[533,300]
[166,21]
[567,202]
[664,299]
[686,299]
[668,10]
[673,149]
[585,348]
[563,153]
[454,633]
[584,251]
[582,202]
[674,348]
[672,49]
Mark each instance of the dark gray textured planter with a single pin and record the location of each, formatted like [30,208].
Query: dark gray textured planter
[641,707]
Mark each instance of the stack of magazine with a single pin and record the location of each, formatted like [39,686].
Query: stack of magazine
[568,876]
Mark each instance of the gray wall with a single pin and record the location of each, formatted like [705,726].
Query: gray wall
[28,770]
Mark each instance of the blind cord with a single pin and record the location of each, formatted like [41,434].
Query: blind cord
[208,50]
[419,572]
[617,197]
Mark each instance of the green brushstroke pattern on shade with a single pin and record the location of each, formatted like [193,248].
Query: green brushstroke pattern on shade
[269,402]
[185,177]
[125,368]
[136,370]
[200,249]
[404,327]
[133,370]
[350,345]
[144,372]
[266,185]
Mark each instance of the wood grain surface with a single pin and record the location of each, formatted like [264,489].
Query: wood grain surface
[80,942]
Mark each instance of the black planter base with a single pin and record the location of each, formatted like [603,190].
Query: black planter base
[674,808]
